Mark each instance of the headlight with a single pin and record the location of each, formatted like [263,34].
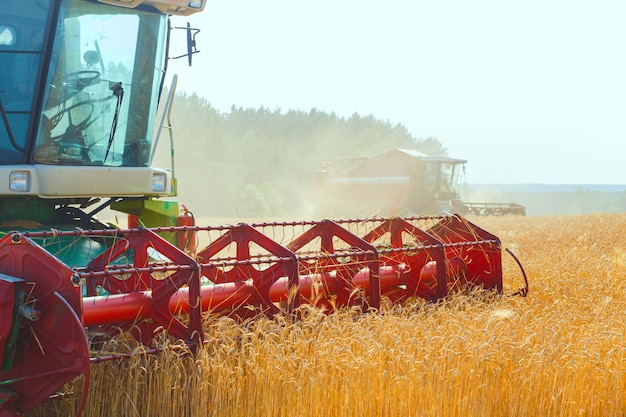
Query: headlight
[159,182]
[196,4]
[19,181]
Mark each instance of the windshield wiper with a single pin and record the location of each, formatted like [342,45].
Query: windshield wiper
[118,91]
[7,126]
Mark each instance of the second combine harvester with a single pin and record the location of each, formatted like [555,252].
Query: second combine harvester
[403,181]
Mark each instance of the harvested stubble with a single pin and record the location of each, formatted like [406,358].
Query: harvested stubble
[561,351]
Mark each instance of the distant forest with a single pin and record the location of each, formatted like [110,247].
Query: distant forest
[259,162]
[250,163]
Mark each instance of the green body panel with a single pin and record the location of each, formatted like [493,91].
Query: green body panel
[151,213]
[17,209]
[27,214]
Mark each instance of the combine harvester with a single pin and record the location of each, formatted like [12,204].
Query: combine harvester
[405,181]
[80,84]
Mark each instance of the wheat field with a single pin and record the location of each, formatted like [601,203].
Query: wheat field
[559,352]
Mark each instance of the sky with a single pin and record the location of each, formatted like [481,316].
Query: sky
[527,92]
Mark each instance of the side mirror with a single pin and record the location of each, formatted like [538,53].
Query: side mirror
[191,42]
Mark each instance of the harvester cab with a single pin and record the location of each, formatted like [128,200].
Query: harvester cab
[80,82]
[80,85]
[443,178]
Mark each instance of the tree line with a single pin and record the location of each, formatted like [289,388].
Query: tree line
[259,162]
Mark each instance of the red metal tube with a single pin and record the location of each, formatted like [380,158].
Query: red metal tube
[218,296]
[326,284]
[116,308]
[390,277]
[133,306]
